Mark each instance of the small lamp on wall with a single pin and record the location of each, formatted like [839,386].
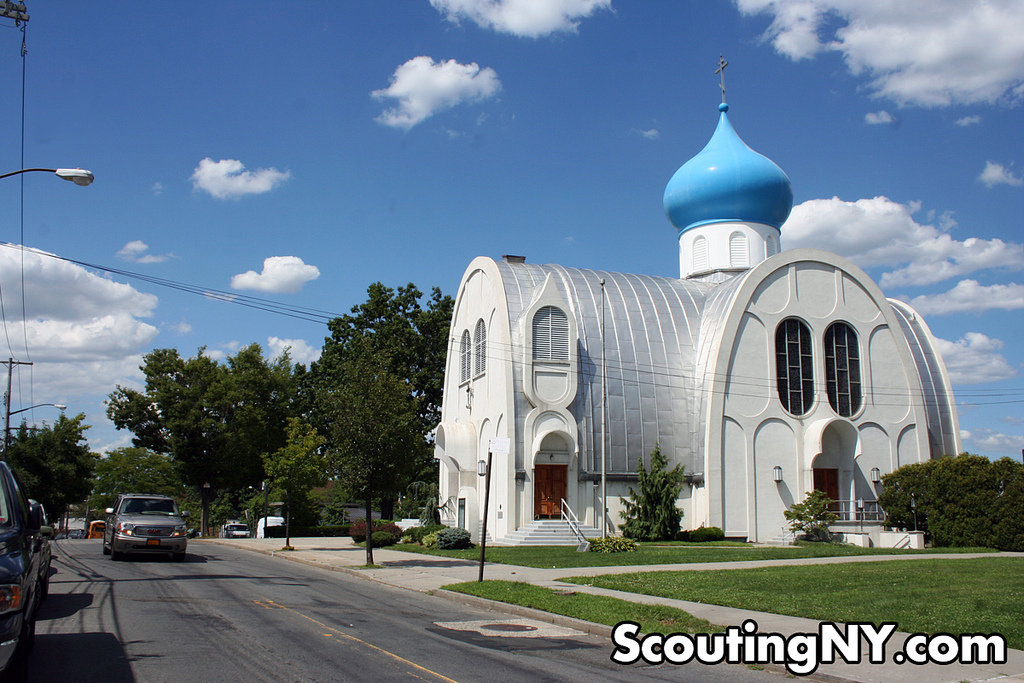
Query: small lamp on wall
[777,474]
[481,467]
[876,475]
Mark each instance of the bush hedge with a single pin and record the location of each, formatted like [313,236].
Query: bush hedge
[415,534]
[453,539]
[612,544]
[326,531]
[384,538]
[358,529]
[705,534]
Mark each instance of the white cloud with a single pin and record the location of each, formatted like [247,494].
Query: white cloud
[299,350]
[997,174]
[968,121]
[281,275]
[970,297]
[424,88]
[135,251]
[1012,419]
[650,134]
[974,359]
[523,18]
[928,53]
[991,440]
[880,118]
[158,188]
[880,232]
[83,331]
[228,179]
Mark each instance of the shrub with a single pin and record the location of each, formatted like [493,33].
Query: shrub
[612,544]
[453,539]
[415,534]
[430,540]
[706,534]
[358,529]
[651,513]
[812,517]
[383,538]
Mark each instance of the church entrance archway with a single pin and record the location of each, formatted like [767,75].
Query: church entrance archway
[550,486]
[832,468]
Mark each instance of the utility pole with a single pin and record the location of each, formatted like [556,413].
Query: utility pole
[13,10]
[10,363]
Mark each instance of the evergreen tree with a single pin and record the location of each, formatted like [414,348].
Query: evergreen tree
[651,514]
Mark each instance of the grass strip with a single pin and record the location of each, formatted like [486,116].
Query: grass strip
[981,595]
[594,608]
[547,557]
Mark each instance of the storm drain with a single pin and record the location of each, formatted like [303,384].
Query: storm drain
[516,628]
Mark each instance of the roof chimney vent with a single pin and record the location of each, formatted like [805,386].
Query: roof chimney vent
[509,258]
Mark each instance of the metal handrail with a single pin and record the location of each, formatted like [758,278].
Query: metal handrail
[859,511]
[573,522]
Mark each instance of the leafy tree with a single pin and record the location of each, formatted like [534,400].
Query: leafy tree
[54,462]
[214,420]
[133,470]
[962,501]
[812,516]
[375,431]
[296,467]
[411,339]
[651,513]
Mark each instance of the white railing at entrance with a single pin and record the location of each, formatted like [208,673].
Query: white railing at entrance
[569,517]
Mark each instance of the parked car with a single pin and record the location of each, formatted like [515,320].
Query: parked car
[145,523]
[24,572]
[234,530]
[96,528]
[264,522]
[78,533]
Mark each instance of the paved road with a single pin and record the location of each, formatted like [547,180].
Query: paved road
[231,615]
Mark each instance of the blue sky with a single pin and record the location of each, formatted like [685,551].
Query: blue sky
[297,153]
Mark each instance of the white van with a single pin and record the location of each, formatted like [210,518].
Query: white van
[264,522]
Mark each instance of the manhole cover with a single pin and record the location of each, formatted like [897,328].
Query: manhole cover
[508,627]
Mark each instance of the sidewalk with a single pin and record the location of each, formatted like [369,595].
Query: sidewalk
[429,573]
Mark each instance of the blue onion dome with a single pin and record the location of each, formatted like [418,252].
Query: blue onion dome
[728,182]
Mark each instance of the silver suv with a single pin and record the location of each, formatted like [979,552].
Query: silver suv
[145,523]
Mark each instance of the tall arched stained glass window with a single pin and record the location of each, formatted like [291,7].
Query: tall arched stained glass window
[465,357]
[842,369]
[794,366]
[480,348]
[550,334]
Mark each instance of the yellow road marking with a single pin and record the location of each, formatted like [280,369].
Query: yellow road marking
[269,604]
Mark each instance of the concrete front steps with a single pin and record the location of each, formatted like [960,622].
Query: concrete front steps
[547,532]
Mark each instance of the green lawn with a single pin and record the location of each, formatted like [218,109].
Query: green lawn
[981,595]
[654,553]
[594,608]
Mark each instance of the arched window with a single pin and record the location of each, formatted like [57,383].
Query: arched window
[842,369]
[480,347]
[794,366]
[739,251]
[465,357]
[550,335]
[700,254]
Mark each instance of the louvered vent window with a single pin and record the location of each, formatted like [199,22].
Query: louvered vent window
[551,335]
[842,369]
[466,357]
[771,247]
[794,365]
[739,252]
[700,254]
[480,346]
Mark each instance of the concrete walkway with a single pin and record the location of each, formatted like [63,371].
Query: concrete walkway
[429,573]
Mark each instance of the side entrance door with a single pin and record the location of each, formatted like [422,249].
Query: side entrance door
[827,481]
[549,488]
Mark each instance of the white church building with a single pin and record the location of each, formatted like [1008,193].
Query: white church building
[766,373]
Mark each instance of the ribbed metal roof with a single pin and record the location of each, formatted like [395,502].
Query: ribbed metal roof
[651,333]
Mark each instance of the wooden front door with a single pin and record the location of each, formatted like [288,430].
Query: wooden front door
[549,488]
[827,481]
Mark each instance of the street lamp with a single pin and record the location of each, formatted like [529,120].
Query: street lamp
[8,412]
[78,176]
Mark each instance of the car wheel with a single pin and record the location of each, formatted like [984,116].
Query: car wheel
[115,556]
[106,550]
